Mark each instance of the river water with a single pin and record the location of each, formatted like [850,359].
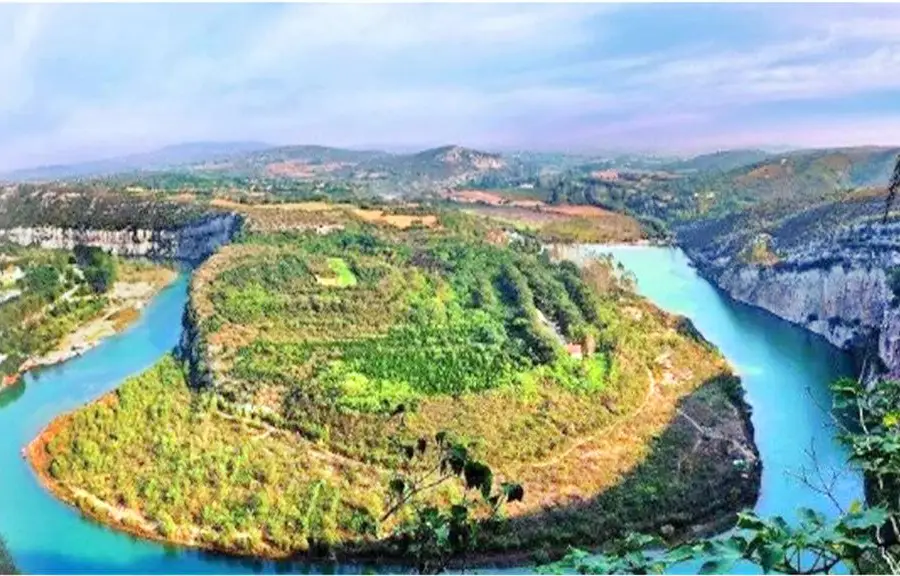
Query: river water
[784,369]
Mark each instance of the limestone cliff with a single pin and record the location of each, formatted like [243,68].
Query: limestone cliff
[191,243]
[826,268]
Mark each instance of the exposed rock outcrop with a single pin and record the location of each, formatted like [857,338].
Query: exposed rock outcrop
[829,270]
[191,243]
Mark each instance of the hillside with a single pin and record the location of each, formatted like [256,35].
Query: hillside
[301,405]
[721,161]
[806,174]
[165,158]
[830,266]
[676,197]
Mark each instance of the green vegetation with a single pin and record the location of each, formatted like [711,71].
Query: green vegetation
[93,206]
[716,186]
[814,546]
[55,299]
[7,564]
[326,366]
[98,267]
[242,491]
[343,274]
[863,539]
[54,303]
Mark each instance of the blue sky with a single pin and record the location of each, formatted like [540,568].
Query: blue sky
[89,81]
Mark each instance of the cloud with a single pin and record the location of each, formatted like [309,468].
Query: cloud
[16,46]
[88,80]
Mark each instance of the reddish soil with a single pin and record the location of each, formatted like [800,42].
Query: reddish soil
[301,169]
[476,196]
[579,211]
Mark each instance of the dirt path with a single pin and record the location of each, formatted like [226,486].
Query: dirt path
[555,460]
[312,450]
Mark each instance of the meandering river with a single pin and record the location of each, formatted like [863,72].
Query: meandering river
[785,371]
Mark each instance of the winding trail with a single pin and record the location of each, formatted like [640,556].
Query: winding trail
[564,455]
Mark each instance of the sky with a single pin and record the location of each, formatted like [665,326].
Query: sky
[82,82]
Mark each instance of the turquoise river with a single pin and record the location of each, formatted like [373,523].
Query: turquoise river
[784,369]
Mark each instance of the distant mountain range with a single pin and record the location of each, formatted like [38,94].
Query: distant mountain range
[732,178]
[169,157]
[720,161]
[257,159]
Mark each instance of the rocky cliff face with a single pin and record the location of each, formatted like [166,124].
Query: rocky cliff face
[191,243]
[827,269]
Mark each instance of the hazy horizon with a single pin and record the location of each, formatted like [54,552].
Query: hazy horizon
[93,82]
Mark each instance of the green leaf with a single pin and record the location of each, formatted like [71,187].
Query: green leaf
[681,554]
[871,518]
[769,555]
[750,521]
[717,566]
[397,486]
[513,492]
[478,476]
[811,517]
[456,459]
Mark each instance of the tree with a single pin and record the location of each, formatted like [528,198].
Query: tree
[813,546]
[7,565]
[100,269]
[42,280]
[434,536]
[893,188]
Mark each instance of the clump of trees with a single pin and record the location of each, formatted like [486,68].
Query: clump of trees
[7,564]
[99,267]
[893,189]
[432,535]
[34,322]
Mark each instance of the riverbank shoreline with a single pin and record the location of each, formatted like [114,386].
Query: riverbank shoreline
[716,518]
[115,319]
[710,505]
[715,514]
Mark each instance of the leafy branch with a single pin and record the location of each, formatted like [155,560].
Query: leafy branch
[433,535]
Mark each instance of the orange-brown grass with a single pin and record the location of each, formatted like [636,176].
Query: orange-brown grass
[216,457]
[282,469]
[307,215]
[584,448]
[564,224]
[301,169]
[402,221]
[133,271]
[479,196]
[766,172]
[124,317]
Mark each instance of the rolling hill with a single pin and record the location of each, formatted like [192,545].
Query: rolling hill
[721,161]
[178,155]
